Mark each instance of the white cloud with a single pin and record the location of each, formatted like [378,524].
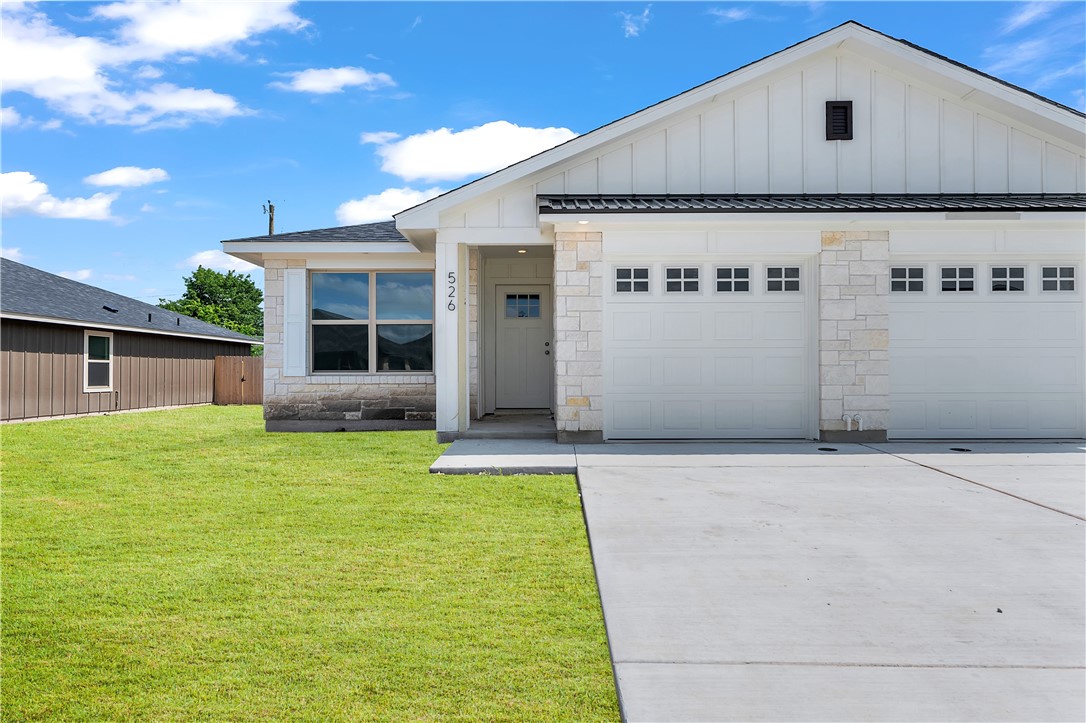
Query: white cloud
[633,24]
[9,117]
[127,177]
[731,15]
[333,80]
[147,208]
[215,259]
[13,253]
[84,76]
[445,155]
[21,192]
[1028,14]
[80,275]
[379,137]
[382,206]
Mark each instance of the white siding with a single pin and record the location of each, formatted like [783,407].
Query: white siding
[768,136]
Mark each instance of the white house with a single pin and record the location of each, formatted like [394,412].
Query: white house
[851,231]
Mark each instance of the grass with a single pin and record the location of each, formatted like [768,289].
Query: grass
[185,565]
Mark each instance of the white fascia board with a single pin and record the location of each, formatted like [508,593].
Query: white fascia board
[828,221]
[121,327]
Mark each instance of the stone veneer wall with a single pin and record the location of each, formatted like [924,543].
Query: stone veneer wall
[334,401]
[854,335]
[578,347]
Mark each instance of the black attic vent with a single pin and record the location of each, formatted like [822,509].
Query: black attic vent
[110,309]
[838,120]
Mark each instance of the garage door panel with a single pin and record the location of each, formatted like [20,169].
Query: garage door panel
[706,366]
[987,364]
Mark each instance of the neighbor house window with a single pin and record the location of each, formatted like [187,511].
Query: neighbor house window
[1008,278]
[372,321]
[733,279]
[97,361]
[632,279]
[782,278]
[907,278]
[681,279]
[1058,278]
[956,278]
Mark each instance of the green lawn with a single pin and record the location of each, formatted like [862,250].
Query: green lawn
[186,565]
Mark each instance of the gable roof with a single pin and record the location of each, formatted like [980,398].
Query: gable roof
[33,294]
[380,231]
[999,93]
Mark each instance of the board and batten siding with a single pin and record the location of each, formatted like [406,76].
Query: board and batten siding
[41,371]
[768,136]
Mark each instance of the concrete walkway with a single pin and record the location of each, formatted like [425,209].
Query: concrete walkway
[780,581]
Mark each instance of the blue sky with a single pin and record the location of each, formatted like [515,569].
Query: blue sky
[136,136]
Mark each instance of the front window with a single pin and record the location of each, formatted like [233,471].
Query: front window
[372,321]
[97,361]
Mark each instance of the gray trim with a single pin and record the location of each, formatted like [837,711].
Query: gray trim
[339,425]
[812,203]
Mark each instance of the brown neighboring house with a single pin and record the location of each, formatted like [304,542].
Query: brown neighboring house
[67,348]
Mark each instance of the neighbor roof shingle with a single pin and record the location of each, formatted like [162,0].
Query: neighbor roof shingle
[810,203]
[26,291]
[366,232]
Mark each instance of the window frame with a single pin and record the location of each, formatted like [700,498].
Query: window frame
[749,280]
[87,334]
[1059,278]
[371,322]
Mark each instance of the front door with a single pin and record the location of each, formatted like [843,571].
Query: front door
[525,354]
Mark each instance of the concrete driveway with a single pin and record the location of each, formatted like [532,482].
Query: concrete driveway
[891,582]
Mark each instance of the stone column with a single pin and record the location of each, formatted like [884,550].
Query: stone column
[854,335]
[578,336]
[273,327]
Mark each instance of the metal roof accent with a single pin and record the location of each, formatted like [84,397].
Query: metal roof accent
[381,231]
[812,203]
[35,294]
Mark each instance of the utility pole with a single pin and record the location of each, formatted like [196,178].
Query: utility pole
[270,210]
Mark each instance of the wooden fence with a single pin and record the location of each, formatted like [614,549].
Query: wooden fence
[239,380]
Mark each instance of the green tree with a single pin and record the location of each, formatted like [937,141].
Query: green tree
[228,300]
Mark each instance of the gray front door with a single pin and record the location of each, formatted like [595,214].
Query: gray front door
[525,354]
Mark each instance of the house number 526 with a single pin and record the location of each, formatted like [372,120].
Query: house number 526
[452,291]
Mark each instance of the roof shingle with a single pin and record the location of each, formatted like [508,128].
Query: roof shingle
[366,232]
[26,291]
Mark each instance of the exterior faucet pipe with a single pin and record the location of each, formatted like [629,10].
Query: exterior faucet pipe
[848,422]
[859,423]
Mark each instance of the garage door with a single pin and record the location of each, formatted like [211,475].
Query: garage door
[986,349]
[707,351]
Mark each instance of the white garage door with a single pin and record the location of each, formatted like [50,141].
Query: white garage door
[707,351]
[986,349]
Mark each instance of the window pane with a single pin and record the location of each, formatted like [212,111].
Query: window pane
[742,286]
[341,296]
[1049,272]
[622,273]
[97,373]
[405,347]
[98,349]
[743,273]
[341,347]
[673,273]
[405,296]
[642,273]
[897,272]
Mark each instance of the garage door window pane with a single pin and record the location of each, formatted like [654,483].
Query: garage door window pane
[632,280]
[957,278]
[782,278]
[733,279]
[681,279]
[907,278]
[1008,278]
[1058,278]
